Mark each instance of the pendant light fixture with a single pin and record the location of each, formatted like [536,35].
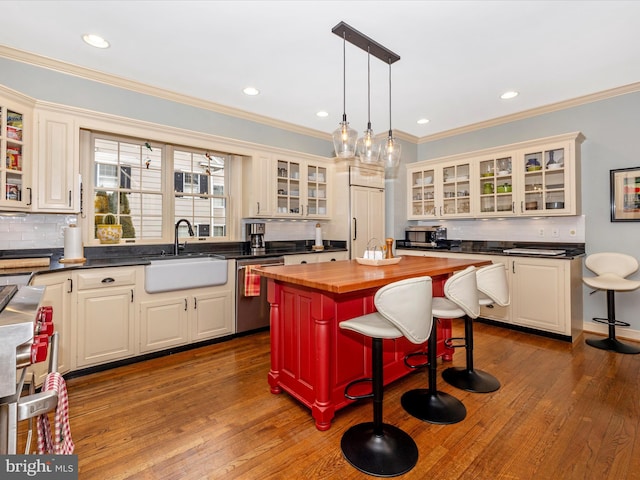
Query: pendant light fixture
[392,148]
[368,151]
[367,148]
[344,137]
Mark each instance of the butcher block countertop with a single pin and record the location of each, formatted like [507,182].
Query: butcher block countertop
[349,276]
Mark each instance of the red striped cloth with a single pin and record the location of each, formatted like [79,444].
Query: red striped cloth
[61,443]
[251,282]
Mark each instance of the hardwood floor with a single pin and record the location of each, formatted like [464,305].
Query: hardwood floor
[563,412]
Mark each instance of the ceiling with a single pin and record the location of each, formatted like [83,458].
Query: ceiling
[457,57]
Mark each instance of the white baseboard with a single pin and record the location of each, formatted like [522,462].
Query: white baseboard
[601,328]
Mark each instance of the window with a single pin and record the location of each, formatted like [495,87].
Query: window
[130,180]
[199,181]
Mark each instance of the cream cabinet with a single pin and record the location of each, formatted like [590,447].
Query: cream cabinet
[302,188]
[546,293]
[57,295]
[533,178]
[258,191]
[315,257]
[16,130]
[105,315]
[440,191]
[164,322]
[56,157]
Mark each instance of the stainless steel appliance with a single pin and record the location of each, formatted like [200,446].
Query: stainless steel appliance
[26,332]
[252,312]
[255,236]
[422,236]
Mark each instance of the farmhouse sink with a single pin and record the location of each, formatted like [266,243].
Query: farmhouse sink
[179,273]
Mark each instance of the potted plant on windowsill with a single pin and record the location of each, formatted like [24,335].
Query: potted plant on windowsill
[108,231]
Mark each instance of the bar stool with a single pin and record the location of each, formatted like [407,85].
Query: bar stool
[431,405]
[404,309]
[611,269]
[492,289]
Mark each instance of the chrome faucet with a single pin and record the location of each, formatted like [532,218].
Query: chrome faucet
[176,245]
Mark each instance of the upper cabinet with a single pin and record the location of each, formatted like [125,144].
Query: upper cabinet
[283,187]
[539,177]
[57,173]
[15,148]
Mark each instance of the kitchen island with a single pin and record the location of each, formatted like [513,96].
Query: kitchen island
[311,357]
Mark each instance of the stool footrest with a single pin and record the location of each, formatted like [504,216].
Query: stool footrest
[448,342]
[606,321]
[416,354]
[355,382]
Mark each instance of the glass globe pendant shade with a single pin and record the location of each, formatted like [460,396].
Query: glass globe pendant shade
[344,139]
[367,149]
[391,152]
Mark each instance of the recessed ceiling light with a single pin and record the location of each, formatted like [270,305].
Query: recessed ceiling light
[251,91]
[423,121]
[95,40]
[322,114]
[509,94]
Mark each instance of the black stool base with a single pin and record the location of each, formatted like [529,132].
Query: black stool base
[612,344]
[388,455]
[440,407]
[475,381]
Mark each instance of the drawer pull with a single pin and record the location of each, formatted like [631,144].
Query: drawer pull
[108,280]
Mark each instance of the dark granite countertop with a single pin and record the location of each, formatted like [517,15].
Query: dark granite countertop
[125,255]
[487,247]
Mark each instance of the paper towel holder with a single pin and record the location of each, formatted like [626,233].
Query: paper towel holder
[318,246]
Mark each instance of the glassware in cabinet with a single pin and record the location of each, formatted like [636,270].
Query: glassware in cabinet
[12,148]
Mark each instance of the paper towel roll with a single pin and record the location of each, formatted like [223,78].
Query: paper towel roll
[73,242]
[318,235]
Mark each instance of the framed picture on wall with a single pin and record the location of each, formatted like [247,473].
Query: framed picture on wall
[625,195]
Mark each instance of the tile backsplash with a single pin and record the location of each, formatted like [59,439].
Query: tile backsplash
[18,231]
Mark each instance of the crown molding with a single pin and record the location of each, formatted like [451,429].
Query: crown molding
[138,87]
[553,107]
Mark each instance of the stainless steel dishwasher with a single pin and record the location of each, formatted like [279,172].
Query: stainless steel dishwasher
[252,312]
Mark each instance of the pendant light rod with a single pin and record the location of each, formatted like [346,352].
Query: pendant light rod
[368,89]
[344,78]
[390,129]
[367,44]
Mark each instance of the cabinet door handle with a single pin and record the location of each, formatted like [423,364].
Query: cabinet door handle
[513,267]
[70,285]
[303,261]
[30,196]
[132,295]
[195,303]
[521,207]
[185,305]
[108,280]
[355,228]
[258,208]
[69,198]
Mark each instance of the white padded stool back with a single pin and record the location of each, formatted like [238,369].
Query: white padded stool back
[618,264]
[462,289]
[407,305]
[492,282]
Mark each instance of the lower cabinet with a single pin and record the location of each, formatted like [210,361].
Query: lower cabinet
[169,320]
[57,295]
[104,314]
[105,326]
[546,293]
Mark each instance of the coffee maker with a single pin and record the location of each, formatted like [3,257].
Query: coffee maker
[255,236]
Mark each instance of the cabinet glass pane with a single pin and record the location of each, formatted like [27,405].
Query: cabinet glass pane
[544,181]
[423,193]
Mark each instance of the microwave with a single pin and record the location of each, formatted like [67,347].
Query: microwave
[424,236]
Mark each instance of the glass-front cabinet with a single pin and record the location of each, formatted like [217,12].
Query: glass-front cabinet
[440,191]
[495,185]
[302,189]
[14,148]
[545,182]
[533,178]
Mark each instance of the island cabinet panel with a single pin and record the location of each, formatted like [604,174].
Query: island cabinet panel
[313,359]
